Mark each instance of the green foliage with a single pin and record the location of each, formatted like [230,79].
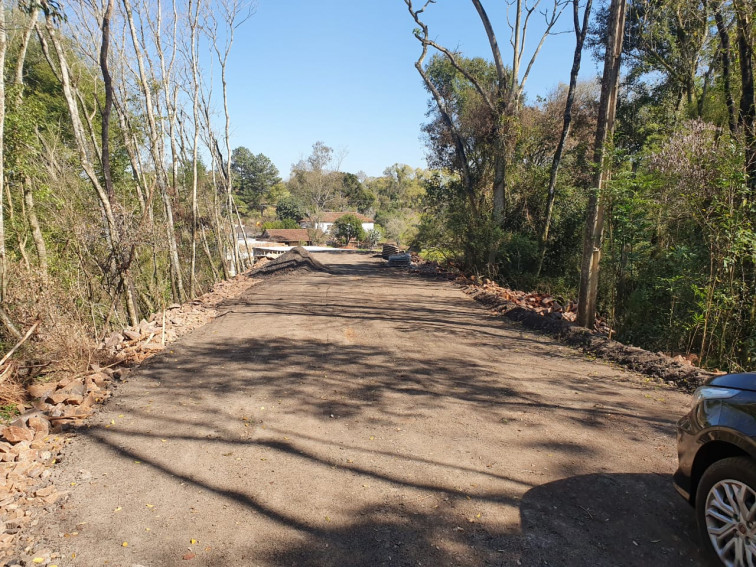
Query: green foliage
[465,106]
[449,223]
[347,228]
[253,177]
[357,195]
[373,237]
[8,412]
[289,208]
[678,265]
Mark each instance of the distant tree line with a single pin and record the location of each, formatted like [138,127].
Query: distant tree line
[317,185]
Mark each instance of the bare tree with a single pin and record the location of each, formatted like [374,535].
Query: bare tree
[72,98]
[27,189]
[194,9]
[580,33]
[3,259]
[157,155]
[505,102]
[233,14]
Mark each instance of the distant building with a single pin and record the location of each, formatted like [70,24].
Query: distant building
[324,221]
[288,236]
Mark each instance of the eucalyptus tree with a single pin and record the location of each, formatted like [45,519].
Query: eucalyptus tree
[500,96]
[581,31]
[3,254]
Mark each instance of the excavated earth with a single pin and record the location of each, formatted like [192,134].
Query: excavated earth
[352,414]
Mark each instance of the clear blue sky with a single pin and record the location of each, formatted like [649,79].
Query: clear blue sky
[342,71]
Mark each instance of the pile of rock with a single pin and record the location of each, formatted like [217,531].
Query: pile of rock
[543,313]
[137,343]
[503,299]
[31,443]
[71,398]
[28,451]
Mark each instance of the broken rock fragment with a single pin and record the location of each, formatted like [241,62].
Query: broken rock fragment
[15,434]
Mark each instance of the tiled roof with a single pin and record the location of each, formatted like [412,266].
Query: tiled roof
[287,234]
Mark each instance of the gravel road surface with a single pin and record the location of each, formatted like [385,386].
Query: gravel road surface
[370,417]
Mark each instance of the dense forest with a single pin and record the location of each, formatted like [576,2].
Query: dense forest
[633,192]
[116,184]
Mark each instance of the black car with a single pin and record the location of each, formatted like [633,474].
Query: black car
[716,444]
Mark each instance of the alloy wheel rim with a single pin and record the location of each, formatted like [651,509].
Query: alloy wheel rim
[731,522]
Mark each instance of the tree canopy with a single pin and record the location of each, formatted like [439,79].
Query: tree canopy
[347,228]
[253,177]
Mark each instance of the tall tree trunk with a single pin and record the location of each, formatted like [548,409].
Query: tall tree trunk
[195,146]
[30,208]
[177,284]
[227,140]
[747,118]
[108,106]
[31,215]
[3,259]
[580,33]
[594,228]
[20,61]
[724,44]
[79,133]
[121,262]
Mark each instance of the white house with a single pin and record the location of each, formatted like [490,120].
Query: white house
[324,221]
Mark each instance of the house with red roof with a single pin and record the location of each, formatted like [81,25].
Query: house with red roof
[324,221]
[288,236]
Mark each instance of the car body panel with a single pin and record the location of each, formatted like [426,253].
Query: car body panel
[742,381]
[713,429]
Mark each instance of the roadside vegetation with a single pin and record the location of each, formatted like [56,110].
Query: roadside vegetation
[116,195]
[540,193]
[633,193]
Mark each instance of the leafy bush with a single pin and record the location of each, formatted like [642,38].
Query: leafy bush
[373,237]
[289,208]
[348,228]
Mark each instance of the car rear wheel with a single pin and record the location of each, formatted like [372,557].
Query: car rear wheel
[726,512]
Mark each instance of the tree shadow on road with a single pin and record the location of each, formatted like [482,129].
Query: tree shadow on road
[608,519]
[207,392]
[611,520]
[430,411]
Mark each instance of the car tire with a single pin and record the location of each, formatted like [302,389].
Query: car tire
[726,489]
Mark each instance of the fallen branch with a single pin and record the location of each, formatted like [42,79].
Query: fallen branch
[69,417]
[6,320]
[4,373]
[19,343]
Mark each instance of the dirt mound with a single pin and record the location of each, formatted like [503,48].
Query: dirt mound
[558,323]
[295,259]
[655,364]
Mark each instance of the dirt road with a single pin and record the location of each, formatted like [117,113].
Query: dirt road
[368,417]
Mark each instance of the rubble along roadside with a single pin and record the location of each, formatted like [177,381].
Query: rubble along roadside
[32,443]
[541,312]
[546,315]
